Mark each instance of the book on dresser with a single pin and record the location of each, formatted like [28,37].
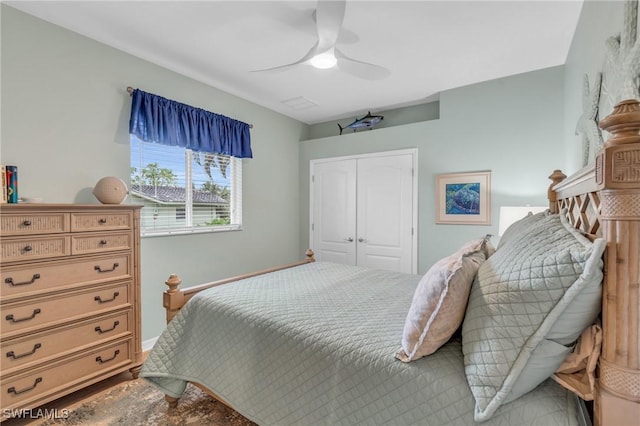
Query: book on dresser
[3,181]
[70,299]
[11,183]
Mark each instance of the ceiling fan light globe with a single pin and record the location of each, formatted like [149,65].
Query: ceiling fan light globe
[324,61]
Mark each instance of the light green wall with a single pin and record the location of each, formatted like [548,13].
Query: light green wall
[65,113]
[496,125]
[599,20]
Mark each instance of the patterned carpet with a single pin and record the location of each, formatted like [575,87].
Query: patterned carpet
[136,402]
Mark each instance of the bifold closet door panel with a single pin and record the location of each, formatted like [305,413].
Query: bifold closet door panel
[334,211]
[385,212]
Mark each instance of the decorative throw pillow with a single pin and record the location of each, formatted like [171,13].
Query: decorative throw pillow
[530,301]
[440,300]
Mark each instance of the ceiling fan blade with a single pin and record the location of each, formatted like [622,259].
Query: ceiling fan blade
[346,35]
[310,54]
[329,17]
[360,69]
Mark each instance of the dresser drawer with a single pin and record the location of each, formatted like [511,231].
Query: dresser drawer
[29,224]
[68,306]
[82,222]
[22,249]
[21,390]
[39,277]
[62,340]
[88,243]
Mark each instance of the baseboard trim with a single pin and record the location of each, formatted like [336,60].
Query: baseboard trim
[148,344]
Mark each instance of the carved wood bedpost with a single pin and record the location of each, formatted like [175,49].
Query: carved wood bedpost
[172,299]
[617,172]
[556,177]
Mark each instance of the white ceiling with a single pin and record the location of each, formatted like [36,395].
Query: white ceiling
[429,46]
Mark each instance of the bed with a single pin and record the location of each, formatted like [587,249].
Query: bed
[321,343]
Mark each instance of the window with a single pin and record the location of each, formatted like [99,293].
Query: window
[184,191]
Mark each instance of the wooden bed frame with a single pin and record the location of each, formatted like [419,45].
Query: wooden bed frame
[602,200]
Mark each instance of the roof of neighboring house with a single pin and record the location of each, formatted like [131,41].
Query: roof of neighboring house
[172,194]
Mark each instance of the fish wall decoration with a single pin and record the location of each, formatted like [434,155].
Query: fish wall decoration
[366,122]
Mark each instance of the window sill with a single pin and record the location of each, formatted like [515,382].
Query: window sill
[188,231]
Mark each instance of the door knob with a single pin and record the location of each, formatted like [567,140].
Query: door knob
[362,240]
[349,239]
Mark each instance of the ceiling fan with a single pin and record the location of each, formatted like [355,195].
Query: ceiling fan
[324,54]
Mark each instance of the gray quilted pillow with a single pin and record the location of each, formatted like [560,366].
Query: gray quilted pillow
[528,304]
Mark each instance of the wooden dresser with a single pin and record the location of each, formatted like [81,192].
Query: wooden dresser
[69,299]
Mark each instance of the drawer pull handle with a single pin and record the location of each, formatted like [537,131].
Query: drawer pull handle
[99,269]
[11,282]
[100,330]
[103,242]
[11,318]
[26,223]
[27,248]
[99,299]
[102,361]
[13,355]
[102,221]
[17,392]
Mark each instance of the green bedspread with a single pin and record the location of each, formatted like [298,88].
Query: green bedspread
[315,345]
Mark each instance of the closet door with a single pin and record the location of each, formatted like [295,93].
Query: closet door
[385,213]
[363,211]
[334,211]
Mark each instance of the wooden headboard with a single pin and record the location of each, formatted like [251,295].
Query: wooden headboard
[604,200]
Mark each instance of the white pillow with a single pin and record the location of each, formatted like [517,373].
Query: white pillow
[440,300]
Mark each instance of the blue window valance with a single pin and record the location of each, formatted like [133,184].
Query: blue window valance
[160,120]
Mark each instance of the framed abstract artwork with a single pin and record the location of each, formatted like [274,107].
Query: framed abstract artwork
[463,198]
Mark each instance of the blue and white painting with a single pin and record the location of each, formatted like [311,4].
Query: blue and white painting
[462,198]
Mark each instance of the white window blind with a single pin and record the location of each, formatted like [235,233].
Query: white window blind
[185,191]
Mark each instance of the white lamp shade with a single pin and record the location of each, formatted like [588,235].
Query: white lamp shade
[511,214]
